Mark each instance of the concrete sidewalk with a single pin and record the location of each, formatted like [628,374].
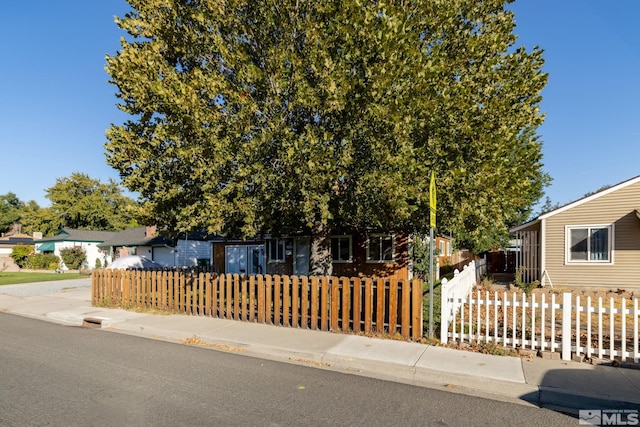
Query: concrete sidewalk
[566,386]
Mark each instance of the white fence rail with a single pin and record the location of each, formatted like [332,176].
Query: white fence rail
[593,328]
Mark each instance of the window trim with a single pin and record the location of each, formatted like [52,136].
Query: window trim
[393,248]
[341,261]
[589,227]
[280,244]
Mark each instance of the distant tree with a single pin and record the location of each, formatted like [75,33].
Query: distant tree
[79,201]
[548,206]
[260,116]
[9,211]
[604,187]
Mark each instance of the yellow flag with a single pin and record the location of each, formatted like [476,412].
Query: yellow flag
[432,200]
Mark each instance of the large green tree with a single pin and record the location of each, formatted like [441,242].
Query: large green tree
[15,211]
[10,206]
[79,201]
[263,116]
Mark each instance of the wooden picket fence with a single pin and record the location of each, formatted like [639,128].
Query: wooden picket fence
[376,306]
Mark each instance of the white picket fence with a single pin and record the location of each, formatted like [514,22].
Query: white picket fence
[593,328]
[454,292]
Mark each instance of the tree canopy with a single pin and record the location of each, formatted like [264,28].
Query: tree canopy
[9,211]
[15,211]
[79,201]
[252,117]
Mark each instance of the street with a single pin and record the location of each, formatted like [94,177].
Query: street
[68,376]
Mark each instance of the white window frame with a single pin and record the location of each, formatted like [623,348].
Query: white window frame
[280,244]
[393,248]
[589,227]
[342,237]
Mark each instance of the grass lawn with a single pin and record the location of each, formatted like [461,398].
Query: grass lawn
[16,278]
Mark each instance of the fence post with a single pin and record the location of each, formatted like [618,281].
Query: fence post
[566,326]
[444,311]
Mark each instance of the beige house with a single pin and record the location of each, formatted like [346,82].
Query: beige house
[592,242]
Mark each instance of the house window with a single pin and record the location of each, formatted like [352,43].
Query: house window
[276,250]
[380,248]
[341,249]
[589,244]
[442,248]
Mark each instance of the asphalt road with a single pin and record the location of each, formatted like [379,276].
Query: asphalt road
[58,375]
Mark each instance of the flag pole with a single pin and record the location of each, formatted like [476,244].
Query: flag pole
[432,225]
[430,282]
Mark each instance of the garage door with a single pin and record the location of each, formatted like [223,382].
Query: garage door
[164,256]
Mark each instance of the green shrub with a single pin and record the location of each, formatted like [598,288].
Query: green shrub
[73,257]
[98,263]
[527,288]
[40,261]
[20,254]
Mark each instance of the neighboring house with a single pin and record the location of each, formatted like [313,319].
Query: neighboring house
[7,243]
[71,237]
[190,251]
[592,242]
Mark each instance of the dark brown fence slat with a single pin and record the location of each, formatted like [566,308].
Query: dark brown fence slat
[356,307]
[231,279]
[268,298]
[304,302]
[368,305]
[315,292]
[201,287]
[208,294]
[252,298]
[393,304]
[346,299]
[324,303]
[286,301]
[261,298]
[295,301]
[236,296]
[380,291]
[335,299]
[244,298]
[416,321]
[187,295]
[277,299]
[406,308]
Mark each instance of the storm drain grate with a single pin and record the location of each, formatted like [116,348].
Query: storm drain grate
[91,322]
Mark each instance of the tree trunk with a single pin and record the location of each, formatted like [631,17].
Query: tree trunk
[320,256]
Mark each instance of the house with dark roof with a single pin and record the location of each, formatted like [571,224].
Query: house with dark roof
[188,251]
[592,242]
[7,243]
[88,240]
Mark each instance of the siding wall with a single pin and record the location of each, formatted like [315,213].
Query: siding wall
[616,208]
[189,251]
[398,269]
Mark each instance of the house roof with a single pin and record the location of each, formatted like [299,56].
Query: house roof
[578,202]
[16,239]
[135,237]
[75,235]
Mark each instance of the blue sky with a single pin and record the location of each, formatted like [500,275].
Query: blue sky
[57,104]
